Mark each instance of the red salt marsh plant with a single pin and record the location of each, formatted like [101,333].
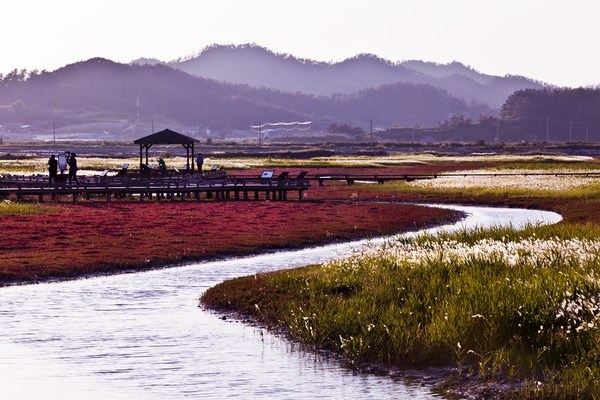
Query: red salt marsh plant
[67,240]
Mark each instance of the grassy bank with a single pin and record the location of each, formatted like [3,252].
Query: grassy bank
[491,306]
[496,304]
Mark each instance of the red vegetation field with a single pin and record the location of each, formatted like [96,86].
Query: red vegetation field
[67,240]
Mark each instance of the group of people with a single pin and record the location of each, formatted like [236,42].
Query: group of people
[71,161]
[163,166]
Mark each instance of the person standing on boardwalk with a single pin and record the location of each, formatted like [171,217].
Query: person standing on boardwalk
[200,161]
[52,168]
[72,161]
[162,165]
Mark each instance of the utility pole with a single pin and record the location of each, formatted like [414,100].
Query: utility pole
[371,142]
[260,133]
[137,107]
[54,133]
[497,130]
[547,127]
[570,130]
[586,133]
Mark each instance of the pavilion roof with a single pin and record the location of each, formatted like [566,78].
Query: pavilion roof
[166,136]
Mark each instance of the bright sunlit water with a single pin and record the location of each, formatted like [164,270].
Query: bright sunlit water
[143,336]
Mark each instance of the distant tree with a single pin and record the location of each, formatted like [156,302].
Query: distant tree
[19,108]
[486,121]
[14,76]
[456,121]
[347,129]
[223,133]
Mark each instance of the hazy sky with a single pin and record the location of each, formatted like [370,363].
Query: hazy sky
[548,40]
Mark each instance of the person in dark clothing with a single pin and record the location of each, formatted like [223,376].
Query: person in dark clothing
[73,169]
[52,168]
[162,165]
[200,161]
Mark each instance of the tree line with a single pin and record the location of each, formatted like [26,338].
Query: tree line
[528,115]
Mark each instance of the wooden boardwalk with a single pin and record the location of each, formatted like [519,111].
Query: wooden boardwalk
[382,178]
[205,186]
[379,178]
[182,187]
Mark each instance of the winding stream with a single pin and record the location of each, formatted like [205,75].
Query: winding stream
[143,336]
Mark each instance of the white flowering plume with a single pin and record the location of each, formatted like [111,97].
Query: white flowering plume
[579,312]
[537,252]
[576,313]
[515,179]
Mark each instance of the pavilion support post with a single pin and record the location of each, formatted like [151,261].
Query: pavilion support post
[193,158]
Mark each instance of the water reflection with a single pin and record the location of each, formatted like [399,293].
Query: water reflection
[143,336]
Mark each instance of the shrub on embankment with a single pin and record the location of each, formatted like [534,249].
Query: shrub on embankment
[523,307]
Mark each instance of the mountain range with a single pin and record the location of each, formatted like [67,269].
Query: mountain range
[259,67]
[232,87]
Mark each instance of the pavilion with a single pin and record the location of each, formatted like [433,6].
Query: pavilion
[167,136]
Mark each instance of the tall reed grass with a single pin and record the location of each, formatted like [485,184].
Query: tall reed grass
[497,303]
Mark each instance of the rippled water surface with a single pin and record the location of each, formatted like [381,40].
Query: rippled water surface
[143,336]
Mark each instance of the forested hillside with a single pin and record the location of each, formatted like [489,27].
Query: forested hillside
[257,66]
[99,89]
[560,114]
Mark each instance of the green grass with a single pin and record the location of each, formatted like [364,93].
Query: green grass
[455,299]
[7,208]
[590,189]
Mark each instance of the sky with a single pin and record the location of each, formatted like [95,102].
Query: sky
[547,40]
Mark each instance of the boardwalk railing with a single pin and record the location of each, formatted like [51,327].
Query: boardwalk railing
[185,186]
[381,178]
[208,185]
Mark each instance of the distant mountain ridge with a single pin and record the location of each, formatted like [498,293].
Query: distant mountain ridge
[100,89]
[259,67]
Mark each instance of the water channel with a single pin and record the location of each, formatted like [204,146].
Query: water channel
[143,336]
